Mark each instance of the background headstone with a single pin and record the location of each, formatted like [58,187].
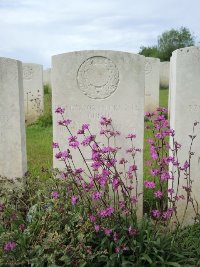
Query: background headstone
[164,74]
[152,66]
[13,161]
[184,111]
[33,91]
[90,84]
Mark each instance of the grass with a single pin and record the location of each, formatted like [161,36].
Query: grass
[39,141]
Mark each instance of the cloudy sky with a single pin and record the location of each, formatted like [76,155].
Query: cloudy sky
[34,30]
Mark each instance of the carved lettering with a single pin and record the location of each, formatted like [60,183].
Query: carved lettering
[148,67]
[194,107]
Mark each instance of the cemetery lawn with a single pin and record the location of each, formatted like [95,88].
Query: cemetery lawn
[39,142]
[39,139]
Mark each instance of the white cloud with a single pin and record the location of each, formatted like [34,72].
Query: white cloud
[34,30]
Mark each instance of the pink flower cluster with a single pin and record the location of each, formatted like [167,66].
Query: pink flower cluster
[9,245]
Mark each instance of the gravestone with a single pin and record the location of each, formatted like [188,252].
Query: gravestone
[47,77]
[33,91]
[89,84]
[13,163]
[184,111]
[152,66]
[164,74]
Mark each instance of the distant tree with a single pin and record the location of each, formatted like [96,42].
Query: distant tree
[172,40]
[169,41]
[150,51]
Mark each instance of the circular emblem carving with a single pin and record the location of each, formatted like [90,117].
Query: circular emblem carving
[27,72]
[98,77]
[148,67]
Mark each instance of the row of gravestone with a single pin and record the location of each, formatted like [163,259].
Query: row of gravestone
[163,73]
[156,75]
[89,84]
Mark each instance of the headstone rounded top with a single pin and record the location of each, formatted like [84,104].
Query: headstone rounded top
[98,77]
[8,69]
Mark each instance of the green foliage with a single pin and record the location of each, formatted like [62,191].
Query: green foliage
[169,41]
[172,40]
[47,89]
[149,51]
[44,120]
[55,233]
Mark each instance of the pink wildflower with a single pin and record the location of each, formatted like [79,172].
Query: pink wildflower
[55,194]
[165,176]
[9,245]
[96,195]
[132,231]
[92,218]
[149,184]
[74,200]
[154,172]
[150,141]
[108,231]
[88,140]
[148,163]
[158,194]
[156,213]
[73,142]
[117,249]
[65,122]
[131,136]
[134,200]
[170,191]
[60,110]
[115,236]
[167,214]
[132,168]
[2,207]
[55,145]
[123,161]
[85,126]
[106,212]
[97,227]
[96,165]
[105,121]
[65,155]
[115,183]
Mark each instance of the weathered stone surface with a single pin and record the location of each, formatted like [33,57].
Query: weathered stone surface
[164,74]
[33,91]
[13,161]
[47,77]
[90,84]
[184,111]
[152,66]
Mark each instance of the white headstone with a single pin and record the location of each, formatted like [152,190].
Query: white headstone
[164,74]
[152,66]
[47,77]
[13,161]
[184,111]
[33,91]
[90,84]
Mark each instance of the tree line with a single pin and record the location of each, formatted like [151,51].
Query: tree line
[167,42]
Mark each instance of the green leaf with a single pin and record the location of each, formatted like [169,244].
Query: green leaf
[175,264]
[146,258]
